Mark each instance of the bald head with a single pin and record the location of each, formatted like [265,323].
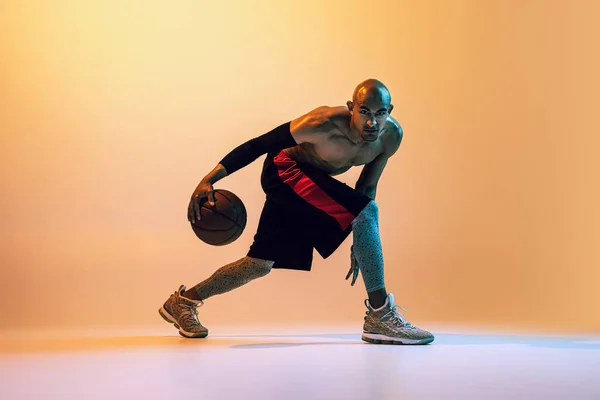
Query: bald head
[369,109]
[371,89]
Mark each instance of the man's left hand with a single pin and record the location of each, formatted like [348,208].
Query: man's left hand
[354,268]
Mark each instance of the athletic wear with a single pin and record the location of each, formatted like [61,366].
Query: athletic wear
[232,276]
[366,247]
[183,313]
[273,141]
[305,209]
[387,326]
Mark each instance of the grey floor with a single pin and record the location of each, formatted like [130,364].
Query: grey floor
[297,365]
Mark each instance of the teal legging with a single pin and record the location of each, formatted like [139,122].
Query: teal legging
[367,247]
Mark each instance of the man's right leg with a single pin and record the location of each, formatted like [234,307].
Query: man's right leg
[230,277]
[181,307]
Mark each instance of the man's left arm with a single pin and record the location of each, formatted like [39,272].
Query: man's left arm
[367,183]
[369,177]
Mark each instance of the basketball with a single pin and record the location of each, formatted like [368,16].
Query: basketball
[223,223]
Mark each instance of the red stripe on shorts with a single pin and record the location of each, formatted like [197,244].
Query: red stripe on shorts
[306,188]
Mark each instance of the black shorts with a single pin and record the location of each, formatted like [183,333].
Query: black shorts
[305,209]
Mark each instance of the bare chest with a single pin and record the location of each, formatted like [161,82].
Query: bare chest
[336,155]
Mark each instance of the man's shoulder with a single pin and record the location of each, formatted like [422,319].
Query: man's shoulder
[318,123]
[336,111]
[330,116]
[393,126]
[337,119]
[321,120]
[392,136]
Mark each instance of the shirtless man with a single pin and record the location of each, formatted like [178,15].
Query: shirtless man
[306,208]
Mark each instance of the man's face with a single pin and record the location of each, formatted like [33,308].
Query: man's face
[369,114]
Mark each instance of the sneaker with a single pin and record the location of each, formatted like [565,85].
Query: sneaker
[182,312]
[387,326]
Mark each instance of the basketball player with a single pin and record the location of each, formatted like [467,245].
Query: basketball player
[306,208]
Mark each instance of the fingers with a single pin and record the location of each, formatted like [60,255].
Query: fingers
[353,267]
[190,212]
[356,269]
[354,272]
[204,192]
[350,272]
[196,201]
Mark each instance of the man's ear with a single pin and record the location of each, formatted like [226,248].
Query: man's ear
[350,105]
[390,108]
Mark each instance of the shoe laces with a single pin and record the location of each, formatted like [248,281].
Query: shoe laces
[397,318]
[190,313]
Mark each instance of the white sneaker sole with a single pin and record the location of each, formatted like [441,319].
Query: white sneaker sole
[169,318]
[383,339]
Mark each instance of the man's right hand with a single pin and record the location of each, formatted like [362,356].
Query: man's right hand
[204,190]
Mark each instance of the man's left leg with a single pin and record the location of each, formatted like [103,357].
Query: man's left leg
[383,323]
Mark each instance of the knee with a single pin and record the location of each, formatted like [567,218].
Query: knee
[261,267]
[369,213]
[372,207]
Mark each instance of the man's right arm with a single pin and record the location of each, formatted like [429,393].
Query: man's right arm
[307,128]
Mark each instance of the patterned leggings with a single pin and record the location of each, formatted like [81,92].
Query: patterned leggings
[367,247]
[232,276]
[367,250]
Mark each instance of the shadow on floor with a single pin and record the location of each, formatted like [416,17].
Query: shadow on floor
[440,340]
[272,341]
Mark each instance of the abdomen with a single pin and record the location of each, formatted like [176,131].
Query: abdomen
[304,153]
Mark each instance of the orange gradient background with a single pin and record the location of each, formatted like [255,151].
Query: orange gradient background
[112,111]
